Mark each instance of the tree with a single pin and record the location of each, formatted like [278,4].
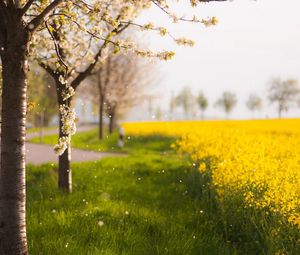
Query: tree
[172,105]
[202,103]
[158,113]
[79,41]
[121,83]
[186,100]
[283,93]
[42,104]
[227,101]
[78,53]
[16,32]
[20,22]
[254,103]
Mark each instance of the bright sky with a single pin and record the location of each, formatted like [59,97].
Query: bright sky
[253,42]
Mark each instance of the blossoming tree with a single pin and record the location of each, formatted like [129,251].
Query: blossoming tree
[72,45]
[20,21]
[122,82]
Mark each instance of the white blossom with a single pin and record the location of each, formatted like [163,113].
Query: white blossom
[62,80]
[100,223]
[68,117]
[68,128]
[62,145]
[68,92]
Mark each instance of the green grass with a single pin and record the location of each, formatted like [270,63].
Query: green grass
[152,202]
[37,129]
[88,140]
[147,204]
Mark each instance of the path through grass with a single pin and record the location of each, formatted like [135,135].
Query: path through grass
[147,203]
[88,140]
[151,202]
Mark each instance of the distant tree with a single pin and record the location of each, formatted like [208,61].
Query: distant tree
[283,93]
[42,104]
[149,100]
[158,113]
[254,103]
[172,105]
[202,103]
[121,83]
[227,101]
[186,100]
[130,83]
[21,24]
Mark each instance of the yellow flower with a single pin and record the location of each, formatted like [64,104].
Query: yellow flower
[259,159]
[202,167]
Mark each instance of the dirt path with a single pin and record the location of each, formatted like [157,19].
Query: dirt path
[41,153]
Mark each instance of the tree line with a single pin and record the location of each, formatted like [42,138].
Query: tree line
[120,83]
[283,94]
[68,39]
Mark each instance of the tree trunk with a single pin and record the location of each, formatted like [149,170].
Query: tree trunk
[46,120]
[13,128]
[64,169]
[111,123]
[101,108]
[64,160]
[279,112]
[202,115]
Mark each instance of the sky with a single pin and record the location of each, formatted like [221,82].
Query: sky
[253,42]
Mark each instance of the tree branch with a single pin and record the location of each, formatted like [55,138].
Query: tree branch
[37,21]
[58,49]
[26,7]
[165,9]
[2,5]
[3,11]
[81,76]
[11,4]
[49,70]
[76,82]
[212,0]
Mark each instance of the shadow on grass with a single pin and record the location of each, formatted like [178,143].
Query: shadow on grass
[135,205]
[150,143]
[89,140]
[145,204]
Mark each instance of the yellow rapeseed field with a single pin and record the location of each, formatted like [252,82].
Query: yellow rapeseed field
[259,159]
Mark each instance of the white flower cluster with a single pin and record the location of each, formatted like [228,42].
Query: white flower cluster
[68,128]
[210,21]
[163,55]
[68,119]
[68,92]
[62,145]
[62,80]
[185,42]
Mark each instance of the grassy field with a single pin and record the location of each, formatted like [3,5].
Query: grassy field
[135,205]
[37,129]
[159,201]
[88,140]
